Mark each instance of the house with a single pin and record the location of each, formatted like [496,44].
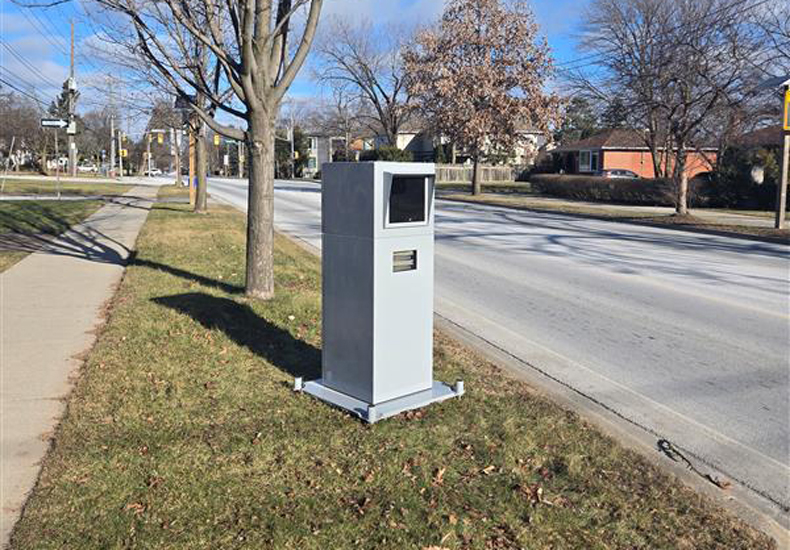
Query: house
[622,149]
[764,138]
[319,151]
[422,143]
[412,138]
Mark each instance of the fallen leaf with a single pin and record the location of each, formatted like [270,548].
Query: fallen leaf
[488,470]
[438,476]
[136,507]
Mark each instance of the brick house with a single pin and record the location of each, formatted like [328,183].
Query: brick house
[621,149]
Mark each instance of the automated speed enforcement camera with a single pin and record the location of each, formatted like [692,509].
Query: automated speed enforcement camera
[377,258]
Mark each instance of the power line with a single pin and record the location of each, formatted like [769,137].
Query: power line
[33,89]
[24,93]
[29,66]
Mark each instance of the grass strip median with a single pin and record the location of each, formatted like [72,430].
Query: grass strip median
[626,214]
[183,432]
[50,188]
[26,225]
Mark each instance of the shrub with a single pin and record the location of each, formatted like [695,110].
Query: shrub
[386,153]
[733,186]
[648,192]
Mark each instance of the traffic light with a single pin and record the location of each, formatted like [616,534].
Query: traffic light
[160,138]
[216,139]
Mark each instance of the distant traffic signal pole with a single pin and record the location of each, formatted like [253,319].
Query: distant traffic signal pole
[781,190]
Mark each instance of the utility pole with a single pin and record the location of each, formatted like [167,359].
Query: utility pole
[781,189]
[111,172]
[57,164]
[71,130]
[120,154]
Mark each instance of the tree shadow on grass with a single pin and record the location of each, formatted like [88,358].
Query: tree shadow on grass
[248,329]
[45,230]
[183,274]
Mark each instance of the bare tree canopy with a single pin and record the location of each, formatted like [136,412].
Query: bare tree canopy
[233,56]
[676,65]
[362,64]
[479,76]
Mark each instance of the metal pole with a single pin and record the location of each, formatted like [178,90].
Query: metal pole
[57,164]
[148,152]
[7,162]
[781,190]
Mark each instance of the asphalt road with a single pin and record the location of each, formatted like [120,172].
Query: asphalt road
[684,335]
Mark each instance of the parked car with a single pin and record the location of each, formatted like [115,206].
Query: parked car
[617,173]
[89,168]
[154,172]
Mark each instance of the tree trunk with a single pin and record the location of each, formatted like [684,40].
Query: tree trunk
[260,207]
[200,162]
[682,179]
[43,159]
[477,187]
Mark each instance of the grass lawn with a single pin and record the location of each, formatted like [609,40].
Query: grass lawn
[49,217]
[174,191]
[501,187]
[38,187]
[626,214]
[183,432]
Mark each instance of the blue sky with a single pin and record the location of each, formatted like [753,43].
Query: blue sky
[34,48]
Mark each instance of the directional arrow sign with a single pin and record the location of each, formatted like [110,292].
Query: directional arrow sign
[53,123]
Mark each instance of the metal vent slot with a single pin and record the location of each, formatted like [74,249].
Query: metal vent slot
[404,260]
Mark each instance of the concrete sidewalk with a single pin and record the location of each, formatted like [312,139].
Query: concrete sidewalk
[50,302]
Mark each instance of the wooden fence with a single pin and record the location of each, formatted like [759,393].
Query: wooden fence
[461,173]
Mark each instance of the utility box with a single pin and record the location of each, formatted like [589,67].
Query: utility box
[377,259]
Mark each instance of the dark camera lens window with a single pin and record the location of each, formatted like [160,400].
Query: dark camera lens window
[407,200]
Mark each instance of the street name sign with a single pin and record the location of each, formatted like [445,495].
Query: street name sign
[53,123]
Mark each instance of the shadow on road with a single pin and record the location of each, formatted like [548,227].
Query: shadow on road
[248,329]
[619,248]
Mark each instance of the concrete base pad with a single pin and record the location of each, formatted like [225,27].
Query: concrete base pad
[373,413]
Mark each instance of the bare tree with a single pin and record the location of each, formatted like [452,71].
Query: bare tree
[365,61]
[231,56]
[479,77]
[675,65]
[21,125]
[774,20]
[342,116]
